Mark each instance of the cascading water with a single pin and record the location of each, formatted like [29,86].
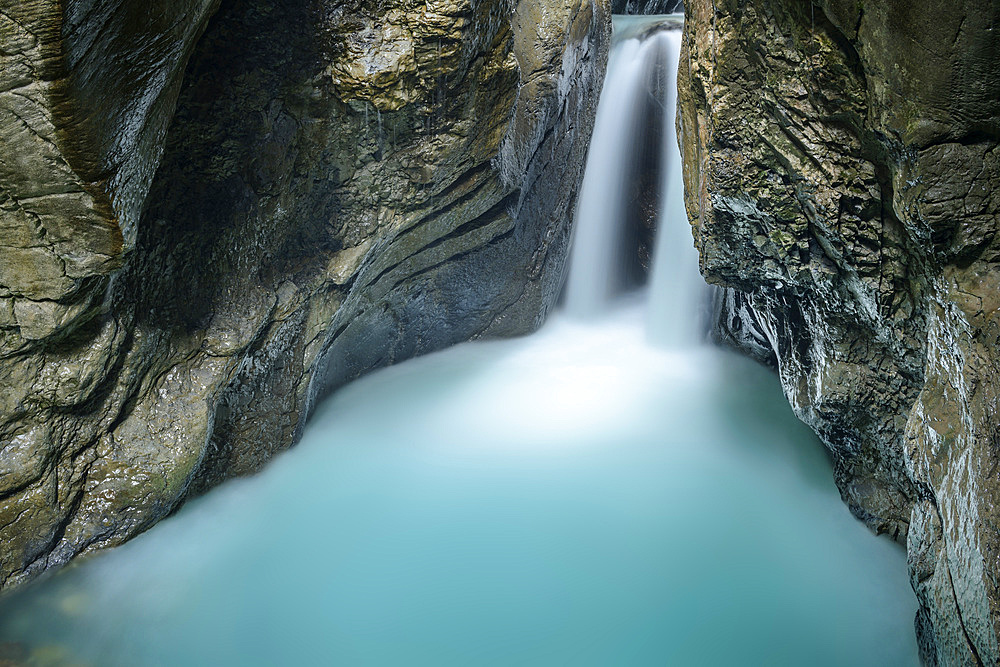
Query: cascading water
[642,69]
[677,291]
[577,497]
[596,253]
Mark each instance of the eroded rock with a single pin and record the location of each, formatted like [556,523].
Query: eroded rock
[86,92]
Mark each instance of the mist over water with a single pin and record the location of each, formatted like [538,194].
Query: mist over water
[582,496]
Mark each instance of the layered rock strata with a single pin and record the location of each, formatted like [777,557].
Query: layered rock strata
[841,169]
[343,185]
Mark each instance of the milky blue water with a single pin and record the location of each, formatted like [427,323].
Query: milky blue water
[577,497]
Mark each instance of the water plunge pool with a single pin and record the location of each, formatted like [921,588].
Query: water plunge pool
[576,497]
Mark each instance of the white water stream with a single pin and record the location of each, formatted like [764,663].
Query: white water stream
[577,497]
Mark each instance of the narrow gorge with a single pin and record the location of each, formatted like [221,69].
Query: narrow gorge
[214,214]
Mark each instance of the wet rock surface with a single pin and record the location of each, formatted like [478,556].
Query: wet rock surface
[841,176]
[339,185]
[82,134]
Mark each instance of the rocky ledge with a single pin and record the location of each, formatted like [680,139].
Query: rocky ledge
[841,169]
[212,213]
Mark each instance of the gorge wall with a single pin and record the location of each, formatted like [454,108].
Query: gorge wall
[213,212]
[841,169]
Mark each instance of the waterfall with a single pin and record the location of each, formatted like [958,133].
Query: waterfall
[677,293]
[642,69]
[578,496]
[595,259]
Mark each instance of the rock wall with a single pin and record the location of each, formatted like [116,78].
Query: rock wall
[343,185]
[842,174]
[82,134]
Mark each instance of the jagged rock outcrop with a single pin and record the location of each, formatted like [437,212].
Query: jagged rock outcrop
[842,175]
[343,185]
[81,134]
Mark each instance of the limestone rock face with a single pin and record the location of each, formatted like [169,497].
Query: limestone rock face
[343,185]
[842,174]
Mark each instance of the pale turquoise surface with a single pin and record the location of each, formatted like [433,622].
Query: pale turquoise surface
[574,498]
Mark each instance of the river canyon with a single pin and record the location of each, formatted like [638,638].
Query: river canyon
[246,209]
